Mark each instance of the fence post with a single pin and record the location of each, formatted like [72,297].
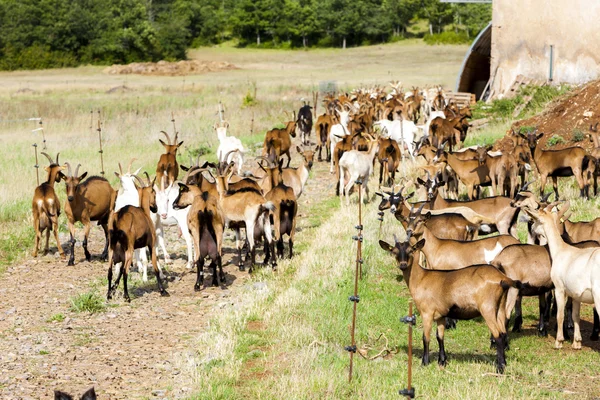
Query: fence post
[101,150]
[409,392]
[37,164]
[357,271]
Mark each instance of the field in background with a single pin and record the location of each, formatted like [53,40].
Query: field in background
[289,337]
[136,108]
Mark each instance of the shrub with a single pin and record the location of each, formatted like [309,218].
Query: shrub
[555,139]
[525,129]
[578,135]
[87,302]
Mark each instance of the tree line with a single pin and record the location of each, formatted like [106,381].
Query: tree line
[59,33]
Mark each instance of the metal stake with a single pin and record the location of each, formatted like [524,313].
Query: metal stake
[43,134]
[173,121]
[358,270]
[409,392]
[100,142]
[221,112]
[37,164]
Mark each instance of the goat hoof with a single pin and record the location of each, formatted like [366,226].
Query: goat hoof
[215,283]
[558,345]
[594,337]
[424,362]
[71,263]
[242,268]
[576,345]
[164,293]
[197,287]
[543,333]
[516,328]
[222,278]
[128,299]
[500,368]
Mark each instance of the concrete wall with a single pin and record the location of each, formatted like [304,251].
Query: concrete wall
[523,30]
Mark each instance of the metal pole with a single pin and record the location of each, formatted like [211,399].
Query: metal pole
[409,392]
[92,122]
[358,269]
[221,112]
[37,164]
[43,135]
[550,78]
[100,142]
[173,121]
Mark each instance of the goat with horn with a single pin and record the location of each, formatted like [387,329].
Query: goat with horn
[87,201]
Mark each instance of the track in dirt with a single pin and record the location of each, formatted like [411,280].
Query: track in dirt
[130,350]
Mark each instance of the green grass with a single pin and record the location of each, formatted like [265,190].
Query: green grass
[56,317]
[304,320]
[90,302]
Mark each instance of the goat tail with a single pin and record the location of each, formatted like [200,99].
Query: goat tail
[508,283]
[268,206]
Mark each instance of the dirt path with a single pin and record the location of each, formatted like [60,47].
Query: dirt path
[127,351]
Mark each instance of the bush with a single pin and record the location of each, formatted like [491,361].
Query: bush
[555,139]
[525,129]
[578,135]
[448,37]
[87,302]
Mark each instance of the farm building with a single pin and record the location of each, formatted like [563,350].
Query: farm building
[541,41]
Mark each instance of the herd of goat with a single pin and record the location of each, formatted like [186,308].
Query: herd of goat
[451,273]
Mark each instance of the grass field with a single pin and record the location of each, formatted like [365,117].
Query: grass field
[286,341]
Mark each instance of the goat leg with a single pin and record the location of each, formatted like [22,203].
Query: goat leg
[596,329]
[518,315]
[500,358]
[72,256]
[427,323]
[86,234]
[124,270]
[104,255]
[544,305]
[440,339]
[162,290]
[110,274]
[291,244]
[220,264]
[199,274]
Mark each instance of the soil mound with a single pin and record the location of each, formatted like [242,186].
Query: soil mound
[569,117]
[166,68]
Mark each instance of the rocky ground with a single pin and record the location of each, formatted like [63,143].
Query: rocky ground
[127,351]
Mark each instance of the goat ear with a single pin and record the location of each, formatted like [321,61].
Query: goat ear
[58,395]
[83,176]
[538,137]
[409,196]
[386,246]
[183,187]
[298,149]
[180,143]
[183,167]
[421,181]
[89,395]
[117,174]
[419,245]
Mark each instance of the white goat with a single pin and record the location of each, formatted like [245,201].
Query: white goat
[357,165]
[575,273]
[229,147]
[169,217]
[404,132]
[337,133]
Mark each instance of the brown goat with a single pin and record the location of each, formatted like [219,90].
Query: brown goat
[324,123]
[531,264]
[296,178]
[446,254]
[167,163]
[279,141]
[502,168]
[471,173]
[91,200]
[449,130]
[286,207]
[558,163]
[388,156]
[478,290]
[131,228]
[46,207]
[206,224]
